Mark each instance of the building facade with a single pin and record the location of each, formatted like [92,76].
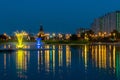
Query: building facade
[81,30]
[41,32]
[107,23]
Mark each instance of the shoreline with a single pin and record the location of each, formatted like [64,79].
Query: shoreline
[70,43]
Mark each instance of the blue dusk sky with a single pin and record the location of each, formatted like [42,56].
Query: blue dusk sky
[55,15]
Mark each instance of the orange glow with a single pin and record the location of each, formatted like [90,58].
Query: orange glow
[60,55]
[47,58]
[68,55]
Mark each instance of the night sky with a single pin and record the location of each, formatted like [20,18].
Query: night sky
[55,15]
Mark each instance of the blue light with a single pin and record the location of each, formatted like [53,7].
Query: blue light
[38,47]
[39,43]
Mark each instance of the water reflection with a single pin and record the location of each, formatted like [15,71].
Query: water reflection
[68,56]
[84,54]
[99,55]
[60,55]
[21,63]
[47,59]
[117,61]
[64,62]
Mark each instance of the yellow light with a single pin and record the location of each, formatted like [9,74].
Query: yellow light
[105,33]
[47,58]
[114,34]
[5,34]
[109,34]
[20,59]
[53,34]
[85,51]
[68,56]
[21,63]
[20,36]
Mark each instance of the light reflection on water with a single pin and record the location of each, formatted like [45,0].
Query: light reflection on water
[62,62]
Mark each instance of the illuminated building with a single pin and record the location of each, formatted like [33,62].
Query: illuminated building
[107,23]
[60,36]
[67,36]
[41,32]
[47,36]
[42,35]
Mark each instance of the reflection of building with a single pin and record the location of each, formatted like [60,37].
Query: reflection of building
[68,56]
[50,59]
[104,56]
[118,63]
[107,23]
[99,56]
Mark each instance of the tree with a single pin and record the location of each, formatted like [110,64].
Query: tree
[115,34]
[74,37]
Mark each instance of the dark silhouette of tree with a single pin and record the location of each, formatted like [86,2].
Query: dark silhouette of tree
[115,34]
[3,37]
[90,32]
[74,37]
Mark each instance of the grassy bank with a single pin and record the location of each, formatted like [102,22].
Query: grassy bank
[55,42]
[65,42]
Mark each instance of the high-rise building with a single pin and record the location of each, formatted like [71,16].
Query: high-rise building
[107,23]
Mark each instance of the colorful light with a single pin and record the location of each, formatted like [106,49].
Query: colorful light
[19,36]
[39,43]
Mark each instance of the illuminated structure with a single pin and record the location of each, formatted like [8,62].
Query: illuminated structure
[107,23]
[20,36]
[41,32]
[39,42]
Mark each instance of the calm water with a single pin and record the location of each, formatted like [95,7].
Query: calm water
[64,62]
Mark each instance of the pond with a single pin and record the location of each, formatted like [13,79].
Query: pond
[61,62]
